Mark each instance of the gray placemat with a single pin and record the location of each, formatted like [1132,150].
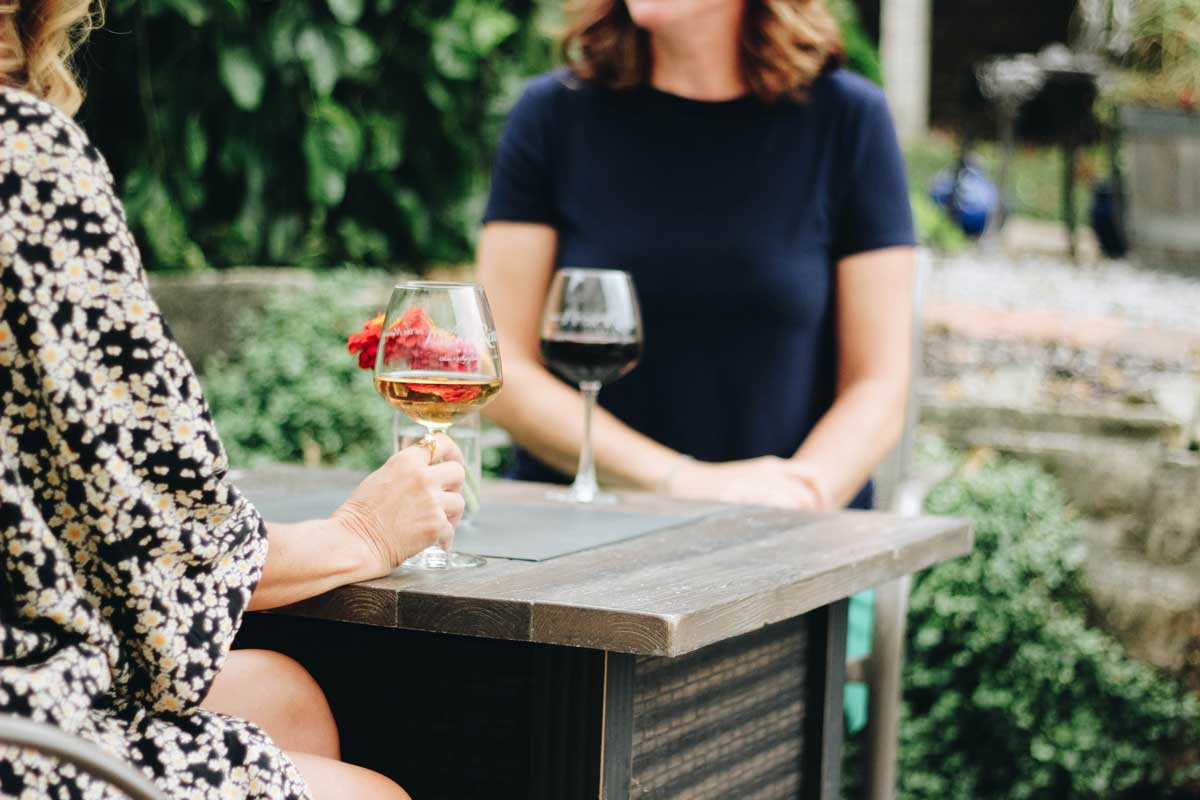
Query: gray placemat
[503,530]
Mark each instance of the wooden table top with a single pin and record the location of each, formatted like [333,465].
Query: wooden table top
[666,593]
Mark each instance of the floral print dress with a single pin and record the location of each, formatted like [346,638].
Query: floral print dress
[128,558]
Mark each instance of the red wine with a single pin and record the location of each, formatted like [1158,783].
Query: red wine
[583,360]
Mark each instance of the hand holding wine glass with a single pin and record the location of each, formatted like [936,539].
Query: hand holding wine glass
[591,335]
[406,505]
[437,362]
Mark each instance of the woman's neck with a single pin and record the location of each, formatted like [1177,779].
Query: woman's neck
[702,62]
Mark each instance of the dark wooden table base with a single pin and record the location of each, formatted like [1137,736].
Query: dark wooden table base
[754,717]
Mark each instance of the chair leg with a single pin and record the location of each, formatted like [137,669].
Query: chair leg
[884,670]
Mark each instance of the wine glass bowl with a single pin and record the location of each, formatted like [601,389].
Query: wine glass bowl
[591,335]
[438,361]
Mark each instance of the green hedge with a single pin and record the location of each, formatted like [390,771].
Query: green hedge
[1008,692]
[306,131]
[292,386]
[315,132]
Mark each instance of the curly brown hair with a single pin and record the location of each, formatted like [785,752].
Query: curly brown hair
[37,39]
[784,45]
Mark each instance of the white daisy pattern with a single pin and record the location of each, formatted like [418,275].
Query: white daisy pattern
[128,557]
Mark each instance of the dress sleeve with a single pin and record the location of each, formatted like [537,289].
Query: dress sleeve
[148,551]
[522,185]
[874,212]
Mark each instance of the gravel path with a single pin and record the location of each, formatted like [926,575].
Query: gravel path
[1109,289]
[983,298]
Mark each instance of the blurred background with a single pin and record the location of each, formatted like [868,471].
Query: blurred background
[282,162]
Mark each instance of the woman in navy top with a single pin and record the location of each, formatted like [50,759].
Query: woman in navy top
[756,192]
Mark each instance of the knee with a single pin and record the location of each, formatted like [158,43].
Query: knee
[298,705]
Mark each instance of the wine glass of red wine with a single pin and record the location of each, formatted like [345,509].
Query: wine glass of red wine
[591,335]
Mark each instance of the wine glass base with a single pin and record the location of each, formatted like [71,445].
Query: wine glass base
[436,559]
[466,561]
[576,498]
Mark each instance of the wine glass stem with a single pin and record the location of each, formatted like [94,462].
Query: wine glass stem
[585,487]
[397,430]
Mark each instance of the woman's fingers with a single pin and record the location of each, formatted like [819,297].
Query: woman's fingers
[412,457]
[447,450]
[453,505]
[448,475]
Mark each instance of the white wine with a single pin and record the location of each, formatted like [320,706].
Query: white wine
[437,399]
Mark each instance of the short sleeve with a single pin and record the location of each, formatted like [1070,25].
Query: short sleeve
[874,212]
[522,186]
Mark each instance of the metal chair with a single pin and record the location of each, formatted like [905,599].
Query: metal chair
[900,491]
[85,756]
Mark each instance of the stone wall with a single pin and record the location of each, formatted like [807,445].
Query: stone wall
[202,308]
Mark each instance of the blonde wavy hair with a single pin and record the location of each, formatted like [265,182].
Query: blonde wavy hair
[37,40]
[784,45]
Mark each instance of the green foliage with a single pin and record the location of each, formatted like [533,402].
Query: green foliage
[934,227]
[1164,56]
[304,132]
[316,132]
[1008,692]
[292,388]
[293,385]
[861,54]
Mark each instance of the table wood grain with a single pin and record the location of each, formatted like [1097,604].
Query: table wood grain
[665,594]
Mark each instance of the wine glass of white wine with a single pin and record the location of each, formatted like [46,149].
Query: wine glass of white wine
[438,361]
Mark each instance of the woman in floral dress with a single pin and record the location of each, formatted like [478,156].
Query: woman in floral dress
[128,557]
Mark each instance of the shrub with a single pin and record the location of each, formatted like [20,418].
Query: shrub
[1008,692]
[306,131]
[292,385]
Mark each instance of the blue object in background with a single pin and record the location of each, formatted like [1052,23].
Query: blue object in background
[967,195]
[1108,222]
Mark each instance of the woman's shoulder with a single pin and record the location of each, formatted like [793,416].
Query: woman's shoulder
[36,134]
[552,92]
[556,83]
[849,90]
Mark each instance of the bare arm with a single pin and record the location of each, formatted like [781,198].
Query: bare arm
[874,306]
[400,509]
[516,262]
[305,559]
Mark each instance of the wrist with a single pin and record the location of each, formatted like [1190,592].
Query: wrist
[820,493]
[355,530]
[671,476]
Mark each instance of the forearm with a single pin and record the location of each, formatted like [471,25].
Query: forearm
[850,441]
[545,417]
[305,559]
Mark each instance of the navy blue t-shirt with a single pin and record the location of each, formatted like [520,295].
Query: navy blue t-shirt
[731,216]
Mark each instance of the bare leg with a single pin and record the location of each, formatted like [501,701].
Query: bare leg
[277,694]
[332,780]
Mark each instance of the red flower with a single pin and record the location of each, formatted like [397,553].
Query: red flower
[365,343]
[415,339]
[412,329]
